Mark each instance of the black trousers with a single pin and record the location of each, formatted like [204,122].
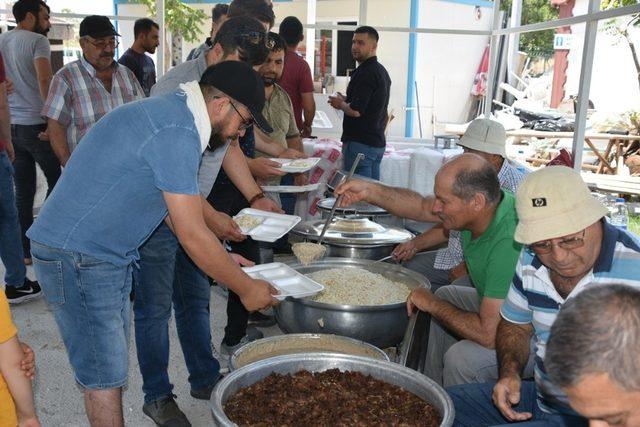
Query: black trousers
[225,197]
[29,151]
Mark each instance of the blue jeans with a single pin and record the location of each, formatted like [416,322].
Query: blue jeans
[369,166]
[10,244]
[166,275]
[474,408]
[90,302]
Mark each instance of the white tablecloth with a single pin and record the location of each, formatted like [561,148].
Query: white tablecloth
[412,166]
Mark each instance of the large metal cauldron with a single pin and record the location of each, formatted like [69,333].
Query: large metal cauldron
[381,325]
[388,372]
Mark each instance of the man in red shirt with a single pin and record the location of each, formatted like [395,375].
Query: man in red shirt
[296,79]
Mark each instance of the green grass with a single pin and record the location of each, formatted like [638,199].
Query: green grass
[634,224]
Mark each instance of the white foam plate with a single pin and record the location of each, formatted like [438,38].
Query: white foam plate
[289,282]
[272,225]
[297,165]
[290,188]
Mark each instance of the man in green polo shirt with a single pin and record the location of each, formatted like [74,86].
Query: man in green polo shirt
[464,319]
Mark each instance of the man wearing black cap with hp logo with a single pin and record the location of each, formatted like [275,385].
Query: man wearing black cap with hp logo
[87,89]
[134,169]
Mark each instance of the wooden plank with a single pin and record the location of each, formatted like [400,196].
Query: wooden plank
[619,158]
[606,156]
[597,153]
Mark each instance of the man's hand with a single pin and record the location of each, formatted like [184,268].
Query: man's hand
[305,132]
[9,86]
[44,136]
[506,393]
[420,298]
[10,151]
[405,251]
[266,204]
[458,271]
[28,362]
[225,228]
[337,101]
[353,191]
[260,296]
[241,261]
[291,153]
[300,179]
[262,167]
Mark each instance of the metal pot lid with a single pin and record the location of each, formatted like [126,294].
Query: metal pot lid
[363,208]
[356,225]
[388,236]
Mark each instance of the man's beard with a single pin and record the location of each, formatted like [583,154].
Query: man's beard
[268,81]
[40,30]
[216,141]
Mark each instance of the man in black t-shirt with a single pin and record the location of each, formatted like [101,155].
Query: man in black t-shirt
[365,106]
[147,40]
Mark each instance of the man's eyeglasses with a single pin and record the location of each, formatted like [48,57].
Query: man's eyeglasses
[102,43]
[245,122]
[545,247]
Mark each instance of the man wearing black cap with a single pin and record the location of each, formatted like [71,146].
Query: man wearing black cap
[166,278]
[135,168]
[85,90]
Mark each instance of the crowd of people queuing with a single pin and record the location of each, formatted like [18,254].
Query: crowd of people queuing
[534,303]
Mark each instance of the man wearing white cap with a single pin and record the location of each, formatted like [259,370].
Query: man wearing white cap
[570,247]
[485,138]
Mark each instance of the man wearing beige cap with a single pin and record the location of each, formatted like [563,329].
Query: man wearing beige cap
[483,137]
[570,247]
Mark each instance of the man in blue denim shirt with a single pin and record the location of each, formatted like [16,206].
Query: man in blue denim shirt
[166,277]
[135,168]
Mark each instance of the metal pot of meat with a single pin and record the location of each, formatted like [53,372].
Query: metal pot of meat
[354,236]
[391,376]
[382,324]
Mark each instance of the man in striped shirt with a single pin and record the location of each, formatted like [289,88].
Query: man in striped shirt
[85,90]
[571,247]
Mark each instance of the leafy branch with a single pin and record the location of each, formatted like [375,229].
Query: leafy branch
[180,18]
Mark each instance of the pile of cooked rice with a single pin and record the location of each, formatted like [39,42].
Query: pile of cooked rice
[248,222]
[356,286]
[308,252]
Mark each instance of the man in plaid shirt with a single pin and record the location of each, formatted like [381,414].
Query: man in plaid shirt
[87,89]
[485,138]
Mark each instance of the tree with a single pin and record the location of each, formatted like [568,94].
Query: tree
[537,43]
[182,21]
[620,27]
[180,18]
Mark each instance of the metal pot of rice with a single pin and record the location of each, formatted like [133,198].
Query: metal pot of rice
[362,299]
[302,343]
